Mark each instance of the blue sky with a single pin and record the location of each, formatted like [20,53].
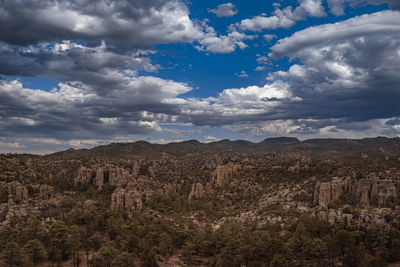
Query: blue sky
[79,74]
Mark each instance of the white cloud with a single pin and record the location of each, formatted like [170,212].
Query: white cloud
[83,143]
[242,74]
[264,60]
[346,81]
[385,22]
[283,18]
[312,8]
[225,10]
[337,6]
[260,68]
[259,23]
[209,139]
[213,43]
[269,37]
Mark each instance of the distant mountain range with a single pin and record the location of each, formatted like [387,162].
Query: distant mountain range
[321,148]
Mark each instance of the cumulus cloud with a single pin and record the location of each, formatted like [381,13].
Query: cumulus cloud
[126,23]
[224,10]
[269,37]
[79,111]
[350,69]
[378,24]
[253,103]
[337,6]
[97,43]
[345,79]
[264,60]
[99,66]
[214,43]
[346,82]
[283,18]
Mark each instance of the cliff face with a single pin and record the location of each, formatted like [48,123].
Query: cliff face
[369,191]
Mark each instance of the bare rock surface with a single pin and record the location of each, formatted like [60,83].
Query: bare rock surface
[197,191]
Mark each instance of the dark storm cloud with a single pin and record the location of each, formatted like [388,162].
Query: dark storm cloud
[350,69]
[78,111]
[94,48]
[124,22]
[101,67]
[95,42]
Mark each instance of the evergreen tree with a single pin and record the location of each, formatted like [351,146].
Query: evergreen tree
[12,255]
[35,250]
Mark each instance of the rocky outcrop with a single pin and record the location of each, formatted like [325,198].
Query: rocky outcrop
[84,175]
[335,216]
[126,199]
[382,190]
[45,191]
[224,173]
[136,169]
[197,191]
[369,191]
[152,171]
[99,176]
[116,176]
[17,193]
[362,218]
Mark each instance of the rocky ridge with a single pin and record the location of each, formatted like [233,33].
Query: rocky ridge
[371,191]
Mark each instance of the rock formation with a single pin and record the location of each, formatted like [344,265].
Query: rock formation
[224,173]
[118,176]
[99,179]
[17,193]
[84,175]
[126,199]
[151,171]
[136,169]
[197,191]
[369,191]
[45,191]
[99,176]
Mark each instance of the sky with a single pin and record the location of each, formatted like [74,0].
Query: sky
[80,73]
